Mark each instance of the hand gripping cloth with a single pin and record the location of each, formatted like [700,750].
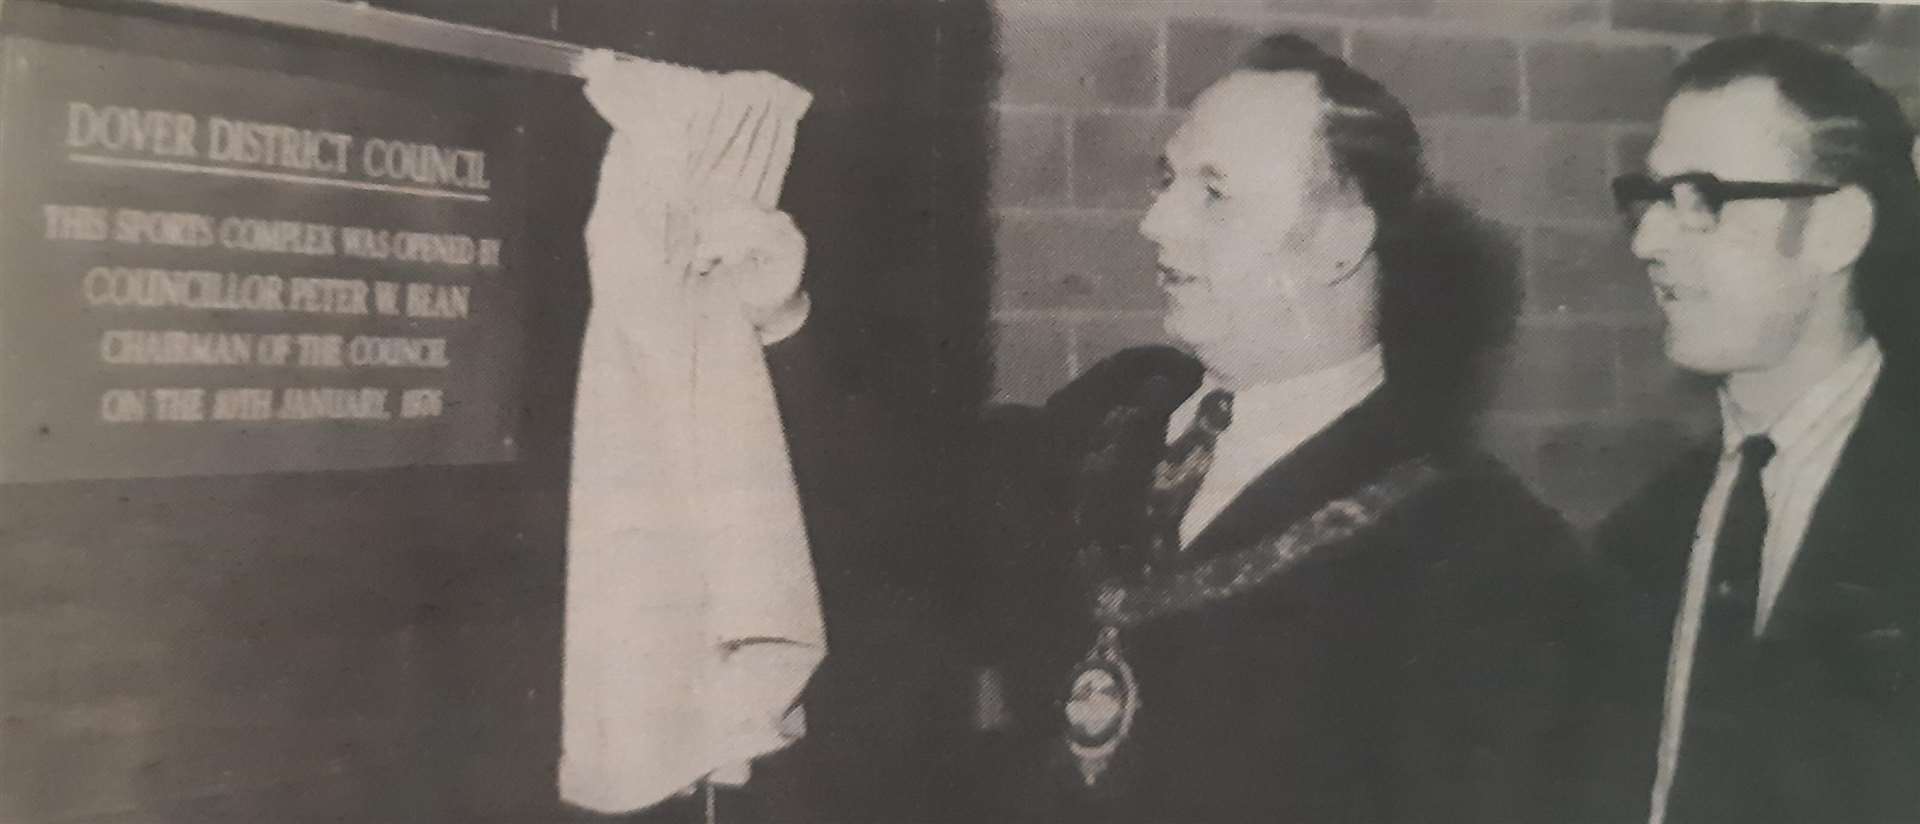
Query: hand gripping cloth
[692,615]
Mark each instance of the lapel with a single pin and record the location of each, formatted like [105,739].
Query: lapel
[1107,430]
[1650,541]
[1663,561]
[1859,563]
[1152,380]
[1357,447]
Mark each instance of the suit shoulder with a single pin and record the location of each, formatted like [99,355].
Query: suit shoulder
[1490,490]
[1674,491]
[1890,423]
[1486,511]
[1491,553]
[1152,376]
[1646,539]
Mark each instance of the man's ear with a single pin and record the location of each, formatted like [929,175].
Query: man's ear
[1838,228]
[1346,237]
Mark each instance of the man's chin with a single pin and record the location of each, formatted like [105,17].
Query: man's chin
[1189,328]
[1698,360]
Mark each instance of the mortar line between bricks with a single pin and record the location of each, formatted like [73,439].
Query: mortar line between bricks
[1644,126]
[1583,34]
[1010,314]
[1072,335]
[1162,63]
[1622,383]
[1428,122]
[1599,32]
[1529,257]
[1518,215]
[1055,108]
[1460,120]
[1612,165]
[1613,321]
[1068,212]
[1617,133]
[1523,85]
[1069,128]
[1588,223]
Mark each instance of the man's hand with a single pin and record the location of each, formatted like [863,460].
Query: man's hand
[759,255]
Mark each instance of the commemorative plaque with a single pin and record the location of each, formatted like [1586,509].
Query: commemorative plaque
[211,269]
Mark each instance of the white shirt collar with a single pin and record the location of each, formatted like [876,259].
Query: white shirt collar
[1270,421]
[1832,400]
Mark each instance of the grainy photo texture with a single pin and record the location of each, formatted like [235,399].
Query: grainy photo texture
[959,411]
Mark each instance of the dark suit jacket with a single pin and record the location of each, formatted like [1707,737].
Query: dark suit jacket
[1831,727]
[1414,677]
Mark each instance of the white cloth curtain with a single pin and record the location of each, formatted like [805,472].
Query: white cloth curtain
[692,615]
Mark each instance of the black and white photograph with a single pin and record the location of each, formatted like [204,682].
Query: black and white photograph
[959,412]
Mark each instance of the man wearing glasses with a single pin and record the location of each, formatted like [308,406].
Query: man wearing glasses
[1761,649]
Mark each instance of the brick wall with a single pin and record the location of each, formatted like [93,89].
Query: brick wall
[1528,107]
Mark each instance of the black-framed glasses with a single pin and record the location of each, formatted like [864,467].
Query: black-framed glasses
[1696,197]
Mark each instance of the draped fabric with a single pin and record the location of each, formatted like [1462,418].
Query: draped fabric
[692,615]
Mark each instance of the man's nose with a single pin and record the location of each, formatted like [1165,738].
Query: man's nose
[1154,224]
[1654,233]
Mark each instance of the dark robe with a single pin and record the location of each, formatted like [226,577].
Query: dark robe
[1830,729]
[1415,674]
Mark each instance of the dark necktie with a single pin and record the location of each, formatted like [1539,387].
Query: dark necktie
[1733,594]
[1712,778]
[1179,473]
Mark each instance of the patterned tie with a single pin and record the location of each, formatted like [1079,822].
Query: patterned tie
[1178,476]
[1710,779]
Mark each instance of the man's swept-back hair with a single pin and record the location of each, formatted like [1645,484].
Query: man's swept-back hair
[1860,136]
[1449,288]
[1368,131]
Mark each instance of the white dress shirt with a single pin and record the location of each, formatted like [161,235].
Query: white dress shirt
[1270,420]
[1808,438]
